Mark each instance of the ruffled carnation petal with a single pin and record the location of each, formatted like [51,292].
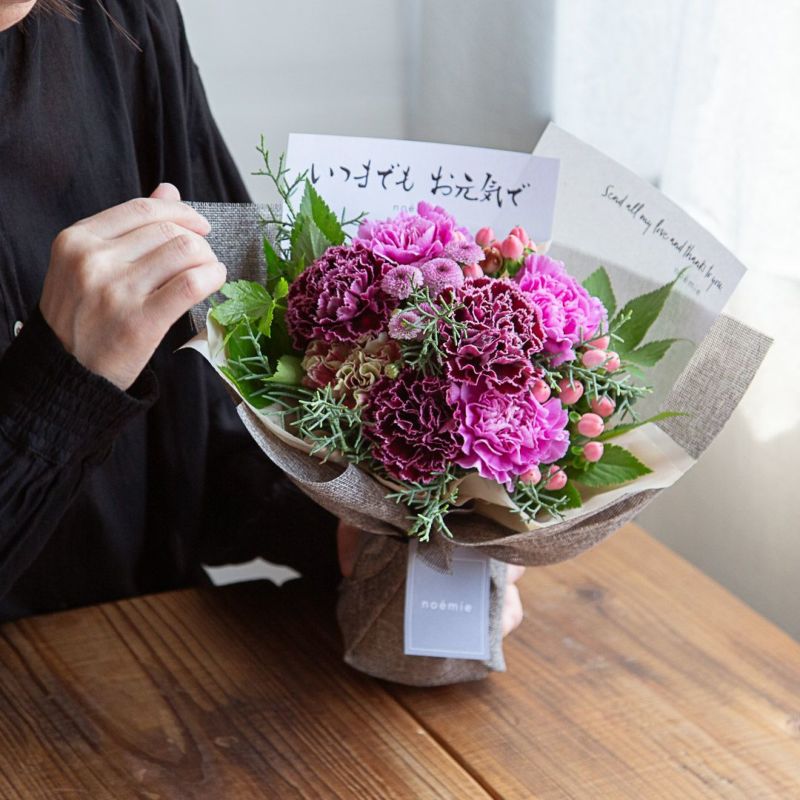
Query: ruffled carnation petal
[501,331]
[339,297]
[505,436]
[569,313]
[410,424]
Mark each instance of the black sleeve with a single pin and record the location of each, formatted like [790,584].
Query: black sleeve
[252,509]
[57,419]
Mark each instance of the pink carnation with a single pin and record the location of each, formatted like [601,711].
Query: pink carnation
[410,424]
[505,436]
[570,315]
[339,297]
[501,333]
[411,238]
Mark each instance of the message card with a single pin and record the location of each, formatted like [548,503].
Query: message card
[480,186]
[609,212]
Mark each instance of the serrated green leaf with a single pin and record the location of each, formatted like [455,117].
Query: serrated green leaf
[308,243]
[315,208]
[598,284]
[279,342]
[571,493]
[289,371]
[275,264]
[246,300]
[648,355]
[643,311]
[281,289]
[615,467]
[612,433]
[265,323]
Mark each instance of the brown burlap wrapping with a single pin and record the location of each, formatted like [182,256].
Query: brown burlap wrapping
[371,602]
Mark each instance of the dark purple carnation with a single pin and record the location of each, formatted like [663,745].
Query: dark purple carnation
[338,298]
[412,238]
[569,313]
[505,436]
[410,425]
[502,332]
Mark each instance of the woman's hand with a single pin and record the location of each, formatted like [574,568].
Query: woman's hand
[348,539]
[118,280]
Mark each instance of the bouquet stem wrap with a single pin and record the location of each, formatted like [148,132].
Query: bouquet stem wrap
[371,602]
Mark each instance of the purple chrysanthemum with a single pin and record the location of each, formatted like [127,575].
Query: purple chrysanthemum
[339,297]
[504,436]
[400,281]
[500,332]
[406,325]
[463,251]
[569,313]
[410,424]
[439,274]
[411,238]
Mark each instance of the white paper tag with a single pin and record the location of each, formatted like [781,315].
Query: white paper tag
[480,186]
[447,615]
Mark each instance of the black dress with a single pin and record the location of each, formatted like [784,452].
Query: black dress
[103,493]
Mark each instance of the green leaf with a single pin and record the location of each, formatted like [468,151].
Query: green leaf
[643,312]
[648,355]
[265,323]
[612,433]
[315,208]
[288,371]
[281,289]
[275,264]
[308,243]
[571,493]
[246,300]
[598,284]
[616,466]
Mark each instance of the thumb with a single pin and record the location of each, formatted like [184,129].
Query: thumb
[348,539]
[166,191]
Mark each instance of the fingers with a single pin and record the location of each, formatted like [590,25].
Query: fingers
[512,609]
[138,243]
[184,290]
[157,258]
[514,573]
[166,191]
[122,219]
[348,539]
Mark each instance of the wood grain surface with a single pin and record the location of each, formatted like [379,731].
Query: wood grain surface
[203,694]
[632,676]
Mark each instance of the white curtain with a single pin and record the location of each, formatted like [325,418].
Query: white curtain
[700,97]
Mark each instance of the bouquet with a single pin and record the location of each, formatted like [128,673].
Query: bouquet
[423,381]
[448,367]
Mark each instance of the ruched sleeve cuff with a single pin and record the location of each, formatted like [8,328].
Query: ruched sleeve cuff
[53,406]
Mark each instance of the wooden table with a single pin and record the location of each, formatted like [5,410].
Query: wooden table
[633,676]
